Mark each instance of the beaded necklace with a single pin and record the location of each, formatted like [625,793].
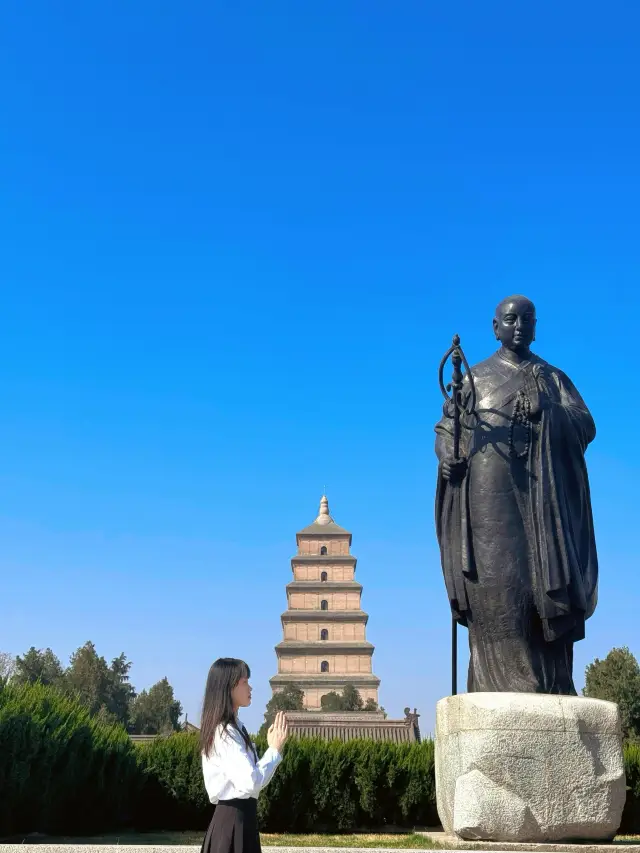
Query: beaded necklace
[521,417]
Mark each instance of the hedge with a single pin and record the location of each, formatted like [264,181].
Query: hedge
[172,794]
[63,772]
[320,786]
[631,814]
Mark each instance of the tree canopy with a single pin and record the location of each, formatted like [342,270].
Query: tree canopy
[617,679]
[156,711]
[104,689]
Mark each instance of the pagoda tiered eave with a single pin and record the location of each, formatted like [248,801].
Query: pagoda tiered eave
[302,615]
[322,647]
[305,559]
[325,680]
[319,586]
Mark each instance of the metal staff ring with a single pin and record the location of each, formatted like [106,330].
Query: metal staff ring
[470,408]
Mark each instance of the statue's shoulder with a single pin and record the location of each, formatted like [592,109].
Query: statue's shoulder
[484,368]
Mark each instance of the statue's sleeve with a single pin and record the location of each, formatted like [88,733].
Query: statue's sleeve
[567,562]
[577,417]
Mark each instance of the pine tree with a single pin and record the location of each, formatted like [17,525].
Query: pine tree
[617,679]
[38,665]
[156,711]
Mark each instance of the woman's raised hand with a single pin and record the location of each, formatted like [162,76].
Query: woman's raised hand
[278,732]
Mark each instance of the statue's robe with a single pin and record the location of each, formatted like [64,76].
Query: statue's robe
[516,536]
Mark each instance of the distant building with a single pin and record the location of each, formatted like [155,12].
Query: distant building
[324,645]
[348,725]
[185,727]
[324,642]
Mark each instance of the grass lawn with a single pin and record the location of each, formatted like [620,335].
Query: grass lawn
[395,840]
[398,840]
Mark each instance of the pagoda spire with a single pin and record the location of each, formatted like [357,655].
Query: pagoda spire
[324,517]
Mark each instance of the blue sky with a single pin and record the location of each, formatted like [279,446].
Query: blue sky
[235,240]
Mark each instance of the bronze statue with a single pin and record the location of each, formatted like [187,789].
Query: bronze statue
[513,513]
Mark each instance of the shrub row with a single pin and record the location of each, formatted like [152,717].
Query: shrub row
[63,772]
[631,814]
[320,786]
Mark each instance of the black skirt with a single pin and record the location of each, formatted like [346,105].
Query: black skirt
[233,828]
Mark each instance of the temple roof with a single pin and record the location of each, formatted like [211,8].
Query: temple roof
[324,525]
[350,725]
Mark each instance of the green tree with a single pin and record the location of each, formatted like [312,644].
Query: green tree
[349,700]
[121,692]
[290,698]
[617,679]
[103,689]
[38,665]
[156,711]
[331,701]
[88,678]
[372,705]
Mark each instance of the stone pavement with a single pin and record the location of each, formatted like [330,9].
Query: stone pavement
[440,838]
[450,842]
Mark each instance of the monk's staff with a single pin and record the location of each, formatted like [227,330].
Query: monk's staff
[455,407]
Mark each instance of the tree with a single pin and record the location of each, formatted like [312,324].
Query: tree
[121,693]
[87,677]
[372,705]
[7,667]
[617,679]
[349,700]
[39,665]
[156,711]
[331,701]
[290,698]
[103,689]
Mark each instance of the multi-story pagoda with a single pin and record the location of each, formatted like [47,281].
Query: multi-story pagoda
[324,643]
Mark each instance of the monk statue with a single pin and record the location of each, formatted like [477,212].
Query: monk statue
[513,515]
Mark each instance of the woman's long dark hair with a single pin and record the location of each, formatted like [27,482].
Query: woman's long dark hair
[217,707]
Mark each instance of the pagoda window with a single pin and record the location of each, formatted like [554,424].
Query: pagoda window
[324,634]
[324,666]
[323,551]
[324,604]
[323,576]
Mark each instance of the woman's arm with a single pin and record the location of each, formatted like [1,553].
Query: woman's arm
[235,765]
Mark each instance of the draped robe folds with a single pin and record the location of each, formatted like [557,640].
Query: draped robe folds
[516,536]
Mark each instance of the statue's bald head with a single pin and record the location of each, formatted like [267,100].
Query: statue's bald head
[522,302]
[515,323]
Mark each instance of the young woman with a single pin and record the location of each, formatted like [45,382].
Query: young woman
[233,775]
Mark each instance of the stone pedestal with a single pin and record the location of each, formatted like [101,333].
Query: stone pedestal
[520,767]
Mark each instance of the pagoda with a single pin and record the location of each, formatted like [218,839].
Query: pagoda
[324,644]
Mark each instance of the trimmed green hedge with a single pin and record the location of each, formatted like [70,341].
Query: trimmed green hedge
[325,786]
[63,772]
[172,794]
[320,786]
[631,814]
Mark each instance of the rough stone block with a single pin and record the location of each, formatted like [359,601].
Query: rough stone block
[522,767]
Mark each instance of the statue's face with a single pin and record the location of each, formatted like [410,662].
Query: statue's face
[515,324]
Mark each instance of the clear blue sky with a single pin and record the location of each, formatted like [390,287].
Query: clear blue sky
[235,240]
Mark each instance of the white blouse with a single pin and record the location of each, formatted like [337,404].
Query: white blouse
[231,772]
